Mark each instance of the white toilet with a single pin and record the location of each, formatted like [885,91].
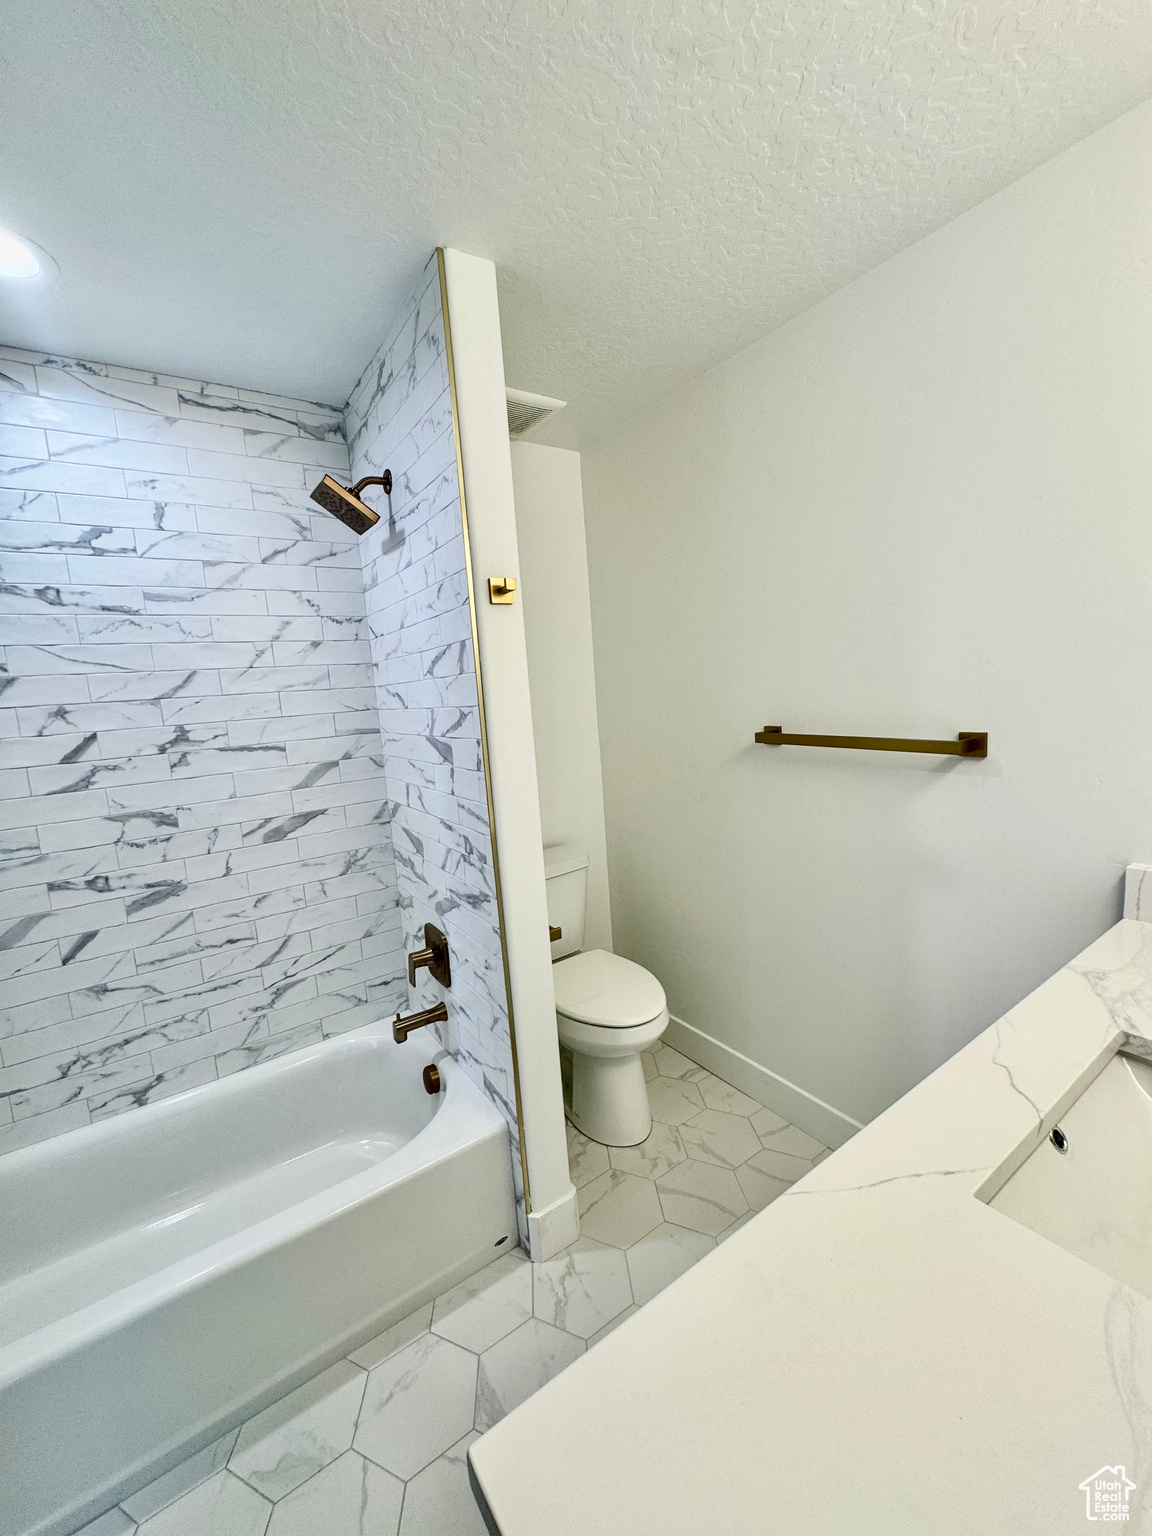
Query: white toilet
[608,1010]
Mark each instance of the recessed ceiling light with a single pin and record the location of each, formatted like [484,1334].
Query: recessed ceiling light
[19,258]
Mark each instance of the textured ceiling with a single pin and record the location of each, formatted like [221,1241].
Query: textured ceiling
[244,189]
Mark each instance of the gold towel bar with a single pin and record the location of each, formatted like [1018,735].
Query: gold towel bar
[967,743]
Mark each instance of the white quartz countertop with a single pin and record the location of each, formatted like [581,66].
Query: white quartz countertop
[879,1351]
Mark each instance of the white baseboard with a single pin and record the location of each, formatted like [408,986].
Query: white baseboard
[554,1228]
[831,1126]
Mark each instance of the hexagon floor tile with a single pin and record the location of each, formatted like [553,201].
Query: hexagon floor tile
[293,1439]
[518,1366]
[658,1154]
[439,1502]
[702,1197]
[586,1159]
[658,1259]
[617,1208]
[487,1305]
[715,1137]
[417,1404]
[582,1289]
[673,1100]
[350,1497]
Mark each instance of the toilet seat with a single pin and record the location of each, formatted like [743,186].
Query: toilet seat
[607,991]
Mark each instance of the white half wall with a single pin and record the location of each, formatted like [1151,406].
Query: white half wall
[919,508]
[561,674]
[478,367]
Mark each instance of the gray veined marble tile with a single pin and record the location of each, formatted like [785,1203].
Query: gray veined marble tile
[665,1253]
[673,1100]
[583,1288]
[417,1404]
[662,1150]
[519,1365]
[392,1339]
[701,1196]
[349,1497]
[716,1137]
[722,1096]
[586,1159]
[670,1063]
[487,1305]
[765,1121]
[793,1142]
[293,1439]
[618,1208]
[439,1500]
[765,1176]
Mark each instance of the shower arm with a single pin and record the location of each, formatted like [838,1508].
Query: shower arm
[385,480]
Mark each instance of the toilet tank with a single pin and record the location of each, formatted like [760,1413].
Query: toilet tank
[566,885]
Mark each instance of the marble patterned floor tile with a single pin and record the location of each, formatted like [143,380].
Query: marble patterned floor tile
[793,1141]
[221,1506]
[349,1497]
[581,1289]
[439,1501]
[487,1305]
[722,1096]
[113,1522]
[716,1137]
[292,1440]
[670,1063]
[518,1366]
[648,1062]
[661,1151]
[174,1484]
[417,1404]
[701,1196]
[617,1208]
[760,1179]
[587,1159]
[781,1165]
[765,1121]
[658,1259]
[377,1350]
[614,1324]
[672,1100]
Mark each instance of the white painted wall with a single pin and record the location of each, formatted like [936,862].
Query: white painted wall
[558,632]
[923,506]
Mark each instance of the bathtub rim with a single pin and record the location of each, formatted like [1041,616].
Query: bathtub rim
[463,1117]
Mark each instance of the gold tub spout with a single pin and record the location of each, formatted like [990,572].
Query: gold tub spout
[402,1028]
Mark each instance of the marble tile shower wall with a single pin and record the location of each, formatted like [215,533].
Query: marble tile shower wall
[399,416]
[195,862]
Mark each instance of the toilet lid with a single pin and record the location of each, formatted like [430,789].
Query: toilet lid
[599,988]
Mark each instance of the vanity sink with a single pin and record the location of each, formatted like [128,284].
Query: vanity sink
[1088,1186]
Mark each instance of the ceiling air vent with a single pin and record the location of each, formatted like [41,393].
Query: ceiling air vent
[526,411]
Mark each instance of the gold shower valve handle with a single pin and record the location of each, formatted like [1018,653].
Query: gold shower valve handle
[501,589]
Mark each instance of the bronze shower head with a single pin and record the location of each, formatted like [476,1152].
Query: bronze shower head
[344,502]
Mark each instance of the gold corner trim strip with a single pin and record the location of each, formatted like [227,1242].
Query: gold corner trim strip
[483,725]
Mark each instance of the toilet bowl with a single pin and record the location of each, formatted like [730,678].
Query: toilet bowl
[608,1010]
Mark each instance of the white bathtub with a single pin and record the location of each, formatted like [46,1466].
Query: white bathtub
[167,1273]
